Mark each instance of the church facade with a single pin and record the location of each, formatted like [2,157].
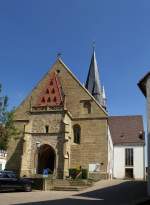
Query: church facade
[65,125]
[62,125]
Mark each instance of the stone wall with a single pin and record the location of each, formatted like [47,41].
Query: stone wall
[93,146]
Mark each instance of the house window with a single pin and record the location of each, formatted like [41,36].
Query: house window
[47,129]
[129,157]
[77,133]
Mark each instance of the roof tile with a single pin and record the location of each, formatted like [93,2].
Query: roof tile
[126,129]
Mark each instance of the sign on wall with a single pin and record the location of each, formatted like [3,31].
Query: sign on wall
[94,167]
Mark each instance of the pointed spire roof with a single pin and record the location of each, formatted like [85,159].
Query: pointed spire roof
[104,98]
[104,94]
[93,81]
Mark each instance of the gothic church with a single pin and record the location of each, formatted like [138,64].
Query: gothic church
[62,125]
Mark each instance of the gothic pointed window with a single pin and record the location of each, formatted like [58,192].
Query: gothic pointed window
[54,99]
[47,91]
[48,100]
[77,133]
[87,106]
[51,82]
[53,91]
[43,100]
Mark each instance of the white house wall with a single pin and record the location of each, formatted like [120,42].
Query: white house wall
[3,163]
[110,156]
[139,170]
[119,162]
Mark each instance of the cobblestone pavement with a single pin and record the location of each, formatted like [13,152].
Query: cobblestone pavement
[106,192]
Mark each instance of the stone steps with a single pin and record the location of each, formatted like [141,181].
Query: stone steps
[66,185]
[69,188]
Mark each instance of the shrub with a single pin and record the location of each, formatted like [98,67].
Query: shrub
[84,173]
[75,173]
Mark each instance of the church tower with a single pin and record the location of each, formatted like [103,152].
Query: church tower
[93,84]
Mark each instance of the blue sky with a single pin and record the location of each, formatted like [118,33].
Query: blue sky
[32,32]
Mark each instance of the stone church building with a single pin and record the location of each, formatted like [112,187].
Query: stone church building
[62,125]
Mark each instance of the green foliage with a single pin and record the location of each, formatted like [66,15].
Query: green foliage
[7,131]
[3,138]
[73,173]
[7,128]
[3,107]
[84,173]
[78,174]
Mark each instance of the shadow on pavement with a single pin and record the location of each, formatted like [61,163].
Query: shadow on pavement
[125,193]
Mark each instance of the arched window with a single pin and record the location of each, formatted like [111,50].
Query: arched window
[77,133]
[87,106]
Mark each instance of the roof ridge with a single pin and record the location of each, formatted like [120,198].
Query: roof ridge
[125,116]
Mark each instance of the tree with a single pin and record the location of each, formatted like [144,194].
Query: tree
[3,107]
[7,128]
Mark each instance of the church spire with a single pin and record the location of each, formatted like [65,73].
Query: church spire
[93,84]
[104,98]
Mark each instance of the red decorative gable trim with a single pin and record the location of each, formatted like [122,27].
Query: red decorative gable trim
[52,93]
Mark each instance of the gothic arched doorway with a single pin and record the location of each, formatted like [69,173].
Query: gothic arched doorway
[46,159]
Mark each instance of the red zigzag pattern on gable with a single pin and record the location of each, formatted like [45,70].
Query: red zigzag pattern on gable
[52,93]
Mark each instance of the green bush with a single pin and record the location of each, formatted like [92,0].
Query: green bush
[74,173]
[84,173]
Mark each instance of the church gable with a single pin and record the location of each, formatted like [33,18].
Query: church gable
[48,92]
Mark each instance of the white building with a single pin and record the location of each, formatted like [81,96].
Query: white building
[3,155]
[126,147]
[144,85]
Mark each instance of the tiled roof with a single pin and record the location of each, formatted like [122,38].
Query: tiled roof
[126,130]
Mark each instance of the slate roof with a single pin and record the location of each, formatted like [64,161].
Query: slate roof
[126,130]
[93,84]
[142,83]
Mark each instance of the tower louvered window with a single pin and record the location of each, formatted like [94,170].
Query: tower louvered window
[77,133]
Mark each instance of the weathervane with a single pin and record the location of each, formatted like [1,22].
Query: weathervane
[59,55]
